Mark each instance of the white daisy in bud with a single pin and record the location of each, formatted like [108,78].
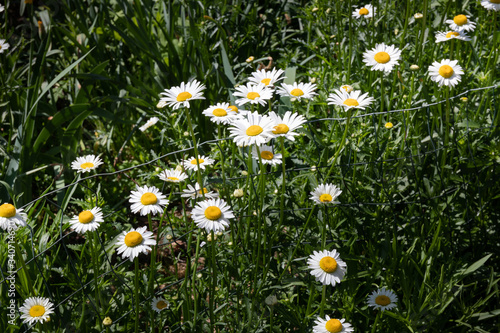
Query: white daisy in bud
[220,113]
[382,57]
[136,241]
[3,46]
[251,129]
[172,176]
[491,4]
[449,35]
[253,93]
[297,90]
[352,100]
[327,267]
[325,194]
[86,163]
[267,78]
[367,11]
[149,123]
[10,217]
[147,200]
[192,164]
[461,23]
[182,95]
[286,125]
[267,155]
[196,192]
[88,220]
[159,303]
[36,309]
[382,299]
[447,72]
[212,214]
[331,325]
[347,88]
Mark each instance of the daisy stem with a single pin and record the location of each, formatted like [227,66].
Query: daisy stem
[323,236]
[152,269]
[323,300]
[447,131]
[422,33]
[350,44]
[195,148]
[283,181]
[492,59]
[136,292]
[262,189]
[213,282]
[195,267]
[374,327]
[187,315]
[342,143]
[407,15]
[92,239]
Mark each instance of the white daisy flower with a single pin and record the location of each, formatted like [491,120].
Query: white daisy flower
[352,100]
[297,90]
[149,123]
[2,8]
[382,57]
[88,220]
[182,95]
[347,88]
[172,176]
[367,11]
[331,325]
[252,93]
[159,303]
[327,267]
[146,200]
[445,36]
[86,163]
[325,194]
[3,45]
[286,125]
[267,155]
[196,192]
[212,214]
[382,299]
[11,217]
[461,23]
[252,129]
[134,242]
[267,78]
[447,72]
[491,4]
[220,113]
[191,163]
[36,309]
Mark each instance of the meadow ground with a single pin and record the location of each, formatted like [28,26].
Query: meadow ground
[249,166]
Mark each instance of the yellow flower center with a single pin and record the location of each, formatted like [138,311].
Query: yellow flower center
[281,129]
[363,11]
[7,210]
[204,191]
[85,217]
[446,71]
[161,305]
[453,33]
[37,311]
[219,112]
[266,81]
[333,326]
[200,161]
[148,198]
[388,125]
[382,57]
[267,155]
[296,92]
[183,96]
[460,19]
[495,1]
[325,198]
[233,108]
[173,178]
[0,46]
[382,300]
[328,264]
[252,95]
[254,130]
[87,165]
[351,102]
[213,213]
[133,238]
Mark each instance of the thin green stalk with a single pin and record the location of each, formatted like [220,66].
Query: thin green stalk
[213,282]
[350,45]
[152,269]
[342,143]
[323,301]
[136,292]
[422,33]
[195,147]
[91,239]
[374,327]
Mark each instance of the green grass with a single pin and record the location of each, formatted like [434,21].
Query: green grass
[418,212]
